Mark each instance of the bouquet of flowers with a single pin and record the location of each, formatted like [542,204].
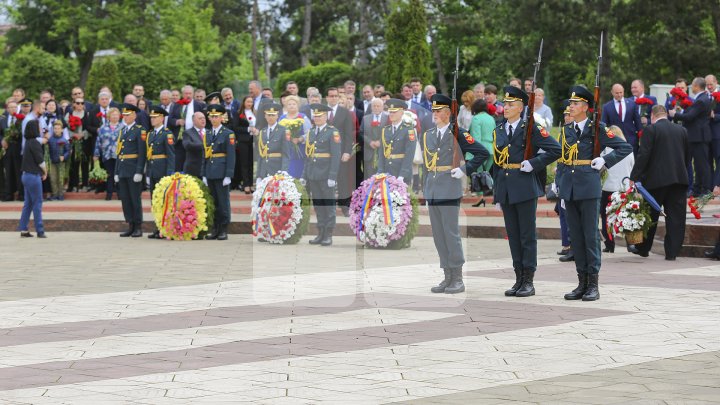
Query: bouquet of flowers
[295,127]
[98,176]
[179,206]
[628,214]
[681,97]
[644,104]
[697,204]
[280,209]
[383,213]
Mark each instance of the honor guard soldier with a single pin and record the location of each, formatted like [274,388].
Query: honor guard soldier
[443,188]
[273,145]
[160,153]
[129,169]
[323,151]
[517,185]
[219,168]
[398,143]
[580,189]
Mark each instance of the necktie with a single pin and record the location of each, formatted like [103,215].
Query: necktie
[332,116]
[510,132]
[577,130]
[393,130]
[439,136]
[620,109]
[202,134]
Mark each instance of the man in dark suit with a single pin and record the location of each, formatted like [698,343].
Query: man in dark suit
[624,114]
[711,83]
[143,119]
[75,93]
[180,120]
[10,141]
[637,89]
[661,168]
[417,91]
[194,146]
[339,117]
[372,125]
[696,119]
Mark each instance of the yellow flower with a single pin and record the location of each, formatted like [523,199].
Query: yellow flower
[188,190]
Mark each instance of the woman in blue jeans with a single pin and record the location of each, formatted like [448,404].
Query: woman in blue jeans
[34,172]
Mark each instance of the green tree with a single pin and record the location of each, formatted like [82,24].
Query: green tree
[34,70]
[408,53]
[103,73]
[321,76]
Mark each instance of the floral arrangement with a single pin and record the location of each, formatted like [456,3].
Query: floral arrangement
[697,204]
[295,127]
[383,213]
[74,123]
[628,214]
[183,101]
[280,209]
[716,96]
[97,175]
[492,110]
[680,96]
[643,101]
[12,134]
[179,206]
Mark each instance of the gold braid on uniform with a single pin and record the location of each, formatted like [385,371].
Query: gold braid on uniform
[387,148]
[429,157]
[310,146]
[569,153]
[149,147]
[500,157]
[262,147]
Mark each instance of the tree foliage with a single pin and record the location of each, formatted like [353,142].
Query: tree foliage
[408,53]
[321,76]
[34,70]
[103,73]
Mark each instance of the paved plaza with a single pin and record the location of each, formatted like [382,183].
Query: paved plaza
[90,318]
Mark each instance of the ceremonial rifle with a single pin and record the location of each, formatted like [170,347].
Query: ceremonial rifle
[454,108]
[530,119]
[597,116]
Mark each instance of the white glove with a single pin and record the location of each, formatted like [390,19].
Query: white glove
[597,163]
[137,178]
[562,204]
[116,178]
[526,167]
[553,187]
[457,173]
[401,178]
[147,181]
[226,181]
[498,206]
[331,183]
[205,180]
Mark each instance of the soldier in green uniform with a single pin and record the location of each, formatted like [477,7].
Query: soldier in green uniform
[517,185]
[580,189]
[219,168]
[398,143]
[273,145]
[130,166]
[323,151]
[160,152]
[443,188]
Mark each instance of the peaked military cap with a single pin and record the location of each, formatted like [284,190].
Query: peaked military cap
[212,95]
[440,101]
[395,104]
[580,93]
[128,108]
[512,93]
[156,111]
[215,110]
[25,101]
[273,109]
[319,109]
[566,107]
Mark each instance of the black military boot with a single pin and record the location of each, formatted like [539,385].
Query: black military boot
[527,289]
[593,292]
[441,287]
[137,231]
[320,236]
[578,292]
[518,282]
[222,232]
[327,237]
[129,232]
[213,234]
[456,284]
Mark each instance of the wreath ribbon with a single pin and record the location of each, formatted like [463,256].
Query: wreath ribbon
[385,201]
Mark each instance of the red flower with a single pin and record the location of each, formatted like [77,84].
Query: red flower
[678,93]
[640,133]
[74,122]
[376,123]
[672,103]
[643,101]
[716,96]
[685,103]
[19,116]
[184,101]
[242,116]
[100,115]
[492,110]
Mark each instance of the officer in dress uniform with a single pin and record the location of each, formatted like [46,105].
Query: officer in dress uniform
[398,143]
[443,188]
[160,152]
[219,168]
[129,169]
[273,145]
[517,185]
[323,151]
[580,189]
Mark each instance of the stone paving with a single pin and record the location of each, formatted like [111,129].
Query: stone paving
[90,318]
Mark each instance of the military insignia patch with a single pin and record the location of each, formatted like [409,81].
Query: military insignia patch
[470,140]
[170,139]
[543,132]
[609,133]
[143,135]
[336,137]
[411,134]
[232,139]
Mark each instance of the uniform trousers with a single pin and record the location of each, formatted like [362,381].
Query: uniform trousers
[129,192]
[520,226]
[323,199]
[582,217]
[221,196]
[444,221]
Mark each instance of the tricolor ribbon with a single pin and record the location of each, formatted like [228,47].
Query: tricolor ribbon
[379,180]
[269,191]
[171,196]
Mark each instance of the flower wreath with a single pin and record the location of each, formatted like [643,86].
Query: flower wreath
[383,213]
[179,206]
[628,212]
[280,209]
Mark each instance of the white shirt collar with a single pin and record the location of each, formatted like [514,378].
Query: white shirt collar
[158,129]
[396,126]
[272,128]
[441,130]
[322,127]
[581,124]
[514,126]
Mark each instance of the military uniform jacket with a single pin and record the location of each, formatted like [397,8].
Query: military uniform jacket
[160,153]
[273,151]
[579,181]
[438,158]
[323,152]
[220,154]
[512,185]
[131,151]
[396,152]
